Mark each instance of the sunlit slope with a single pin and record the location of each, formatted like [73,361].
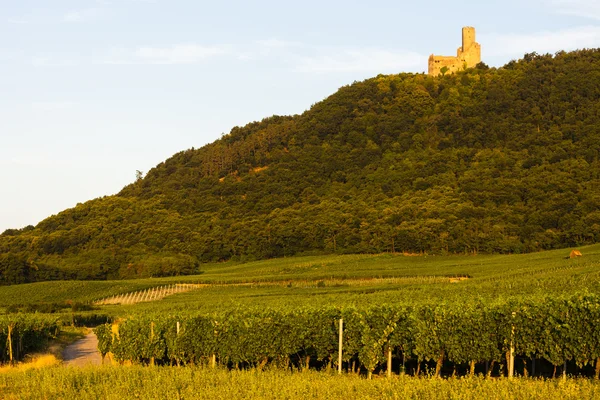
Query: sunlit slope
[483,161]
[346,279]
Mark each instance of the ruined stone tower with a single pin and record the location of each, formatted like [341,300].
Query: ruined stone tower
[467,56]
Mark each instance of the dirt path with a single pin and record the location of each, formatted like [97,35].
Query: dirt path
[83,352]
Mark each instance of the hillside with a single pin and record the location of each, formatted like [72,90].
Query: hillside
[487,160]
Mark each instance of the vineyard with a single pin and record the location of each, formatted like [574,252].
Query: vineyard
[24,333]
[453,316]
[152,294]
[460,339]
[337,280]
[393,241]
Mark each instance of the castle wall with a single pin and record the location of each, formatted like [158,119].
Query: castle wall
[467,56]
[436,63]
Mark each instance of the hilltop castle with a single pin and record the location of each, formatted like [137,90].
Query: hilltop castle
[467,56]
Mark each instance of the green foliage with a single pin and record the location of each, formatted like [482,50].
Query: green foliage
[48,297]
[28,333]
[15,269]
[482,161]
[556,329]
[104,334]
[348,280]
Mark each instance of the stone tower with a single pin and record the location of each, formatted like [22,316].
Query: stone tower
[467,56]
[468,37]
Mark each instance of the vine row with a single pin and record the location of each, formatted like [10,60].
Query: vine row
[556,330]
[21,334]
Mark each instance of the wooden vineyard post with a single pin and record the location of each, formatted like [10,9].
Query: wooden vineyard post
[511,355]
[213,360]
[511,361]
[340,346]
[389,362]
[565,370]
[20,348]
[152,340]
[306,366]
[403,371]
[491,369]
[177,327]
[10,347]
[439,363]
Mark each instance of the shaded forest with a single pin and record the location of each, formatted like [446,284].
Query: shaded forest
[489,160]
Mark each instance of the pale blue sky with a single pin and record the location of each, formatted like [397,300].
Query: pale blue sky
[93,90]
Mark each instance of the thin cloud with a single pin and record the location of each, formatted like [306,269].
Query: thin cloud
[33,158]
[17,21]
[274,43]
[52,105]
[80,15]
[46,61]
[579,8]
[319,59]
[266,47]
[179,54]
[294,56]
[69,17]
[361,60]
[541,42]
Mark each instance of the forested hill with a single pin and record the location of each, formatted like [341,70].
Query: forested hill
[487,160]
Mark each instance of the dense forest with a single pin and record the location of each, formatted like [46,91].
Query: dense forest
[494,160]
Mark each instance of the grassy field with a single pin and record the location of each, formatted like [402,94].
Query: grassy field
[337,280]
[204,383]
[343,280]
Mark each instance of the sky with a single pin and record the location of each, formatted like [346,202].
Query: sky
[93,90]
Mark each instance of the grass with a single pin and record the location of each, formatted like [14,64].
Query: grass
[342,280]
[368,279]
[67,335]
[112,382]
[37,361]
[52,356]
[300,282]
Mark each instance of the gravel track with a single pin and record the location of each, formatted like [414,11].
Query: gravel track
[82,352]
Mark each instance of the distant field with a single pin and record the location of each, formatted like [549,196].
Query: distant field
[342,280]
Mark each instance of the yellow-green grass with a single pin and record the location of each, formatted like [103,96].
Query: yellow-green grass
[343,280]
[359,280]
[204,383]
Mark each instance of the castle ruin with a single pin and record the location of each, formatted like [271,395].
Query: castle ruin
[467,56]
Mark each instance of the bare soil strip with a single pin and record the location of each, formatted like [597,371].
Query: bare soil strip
[83,352]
